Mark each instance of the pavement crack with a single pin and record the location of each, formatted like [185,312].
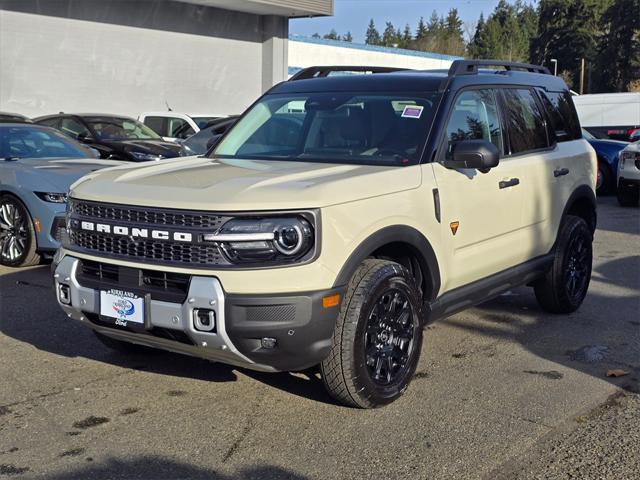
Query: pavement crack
[251,423]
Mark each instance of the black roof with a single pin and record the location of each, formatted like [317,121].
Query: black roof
[461,73]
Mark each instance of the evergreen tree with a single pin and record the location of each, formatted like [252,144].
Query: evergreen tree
[347,37]
[332,35]
[389,36]
[316,35]
[373,36]
[407,38]
[618,59]
[421,31]
[476,46]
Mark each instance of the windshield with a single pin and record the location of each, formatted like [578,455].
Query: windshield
[30,141]
[112,128]
[345,127]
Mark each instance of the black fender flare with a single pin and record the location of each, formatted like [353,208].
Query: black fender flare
[582,192]
[395,234]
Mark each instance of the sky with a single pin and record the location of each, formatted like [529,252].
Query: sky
[354,15]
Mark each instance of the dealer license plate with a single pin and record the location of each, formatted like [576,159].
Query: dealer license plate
[125,308]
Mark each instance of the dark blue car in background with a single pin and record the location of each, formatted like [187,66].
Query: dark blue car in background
[607,152]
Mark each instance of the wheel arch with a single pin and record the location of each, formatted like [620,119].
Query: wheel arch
[582,203]
[403,244]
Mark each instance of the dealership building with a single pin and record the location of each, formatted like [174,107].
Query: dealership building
[195,56]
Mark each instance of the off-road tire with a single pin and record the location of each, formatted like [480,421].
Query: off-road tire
[628,195]
[29,255]
[344,372]
[123,347]
[553,291]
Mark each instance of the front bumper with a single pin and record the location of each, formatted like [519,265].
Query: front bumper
[628,182]
[301,326]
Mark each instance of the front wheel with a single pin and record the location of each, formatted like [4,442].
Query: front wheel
[565,285]
[17,236]
[378,337]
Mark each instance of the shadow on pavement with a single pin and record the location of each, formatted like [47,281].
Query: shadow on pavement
[157,468]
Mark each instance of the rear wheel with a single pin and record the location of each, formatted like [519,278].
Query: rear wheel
[17,235]
[565,285]
[378,337]
[628,195]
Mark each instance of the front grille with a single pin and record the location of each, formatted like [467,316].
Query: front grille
[99,271]
[168,249]
[147,216]
[164,252]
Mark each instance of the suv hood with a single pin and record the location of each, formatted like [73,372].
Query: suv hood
[201,183]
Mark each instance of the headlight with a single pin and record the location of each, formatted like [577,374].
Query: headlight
[142,156]
[278,240]
[52,197]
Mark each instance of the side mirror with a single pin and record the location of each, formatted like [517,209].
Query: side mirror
[479,154]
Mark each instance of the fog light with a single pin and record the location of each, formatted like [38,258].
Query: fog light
[269,342]
[204,320]
[64,294]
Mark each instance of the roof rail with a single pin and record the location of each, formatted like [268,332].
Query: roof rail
[471,67]
[317,72]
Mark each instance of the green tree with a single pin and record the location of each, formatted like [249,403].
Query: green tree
[407,37]
[421,31]
[389,36]
[316,35]
[373,36]
[618,59]
[332,35]
[347,37]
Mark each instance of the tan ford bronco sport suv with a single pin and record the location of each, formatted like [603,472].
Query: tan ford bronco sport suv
[335,219]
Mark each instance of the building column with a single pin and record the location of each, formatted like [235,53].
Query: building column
[275,53]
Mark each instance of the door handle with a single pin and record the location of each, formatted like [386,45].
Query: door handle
[509,183]
[560,172]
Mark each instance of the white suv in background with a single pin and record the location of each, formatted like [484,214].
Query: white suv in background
[629,175]
[173,125]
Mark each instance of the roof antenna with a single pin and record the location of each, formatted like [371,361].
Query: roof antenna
[168,107]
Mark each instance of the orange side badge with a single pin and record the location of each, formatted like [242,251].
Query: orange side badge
[454,227]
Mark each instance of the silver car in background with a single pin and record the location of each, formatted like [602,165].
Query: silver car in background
[37,166]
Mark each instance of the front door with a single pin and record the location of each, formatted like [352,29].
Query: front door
[481,212]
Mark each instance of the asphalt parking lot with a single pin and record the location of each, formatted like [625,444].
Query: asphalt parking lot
[494,387]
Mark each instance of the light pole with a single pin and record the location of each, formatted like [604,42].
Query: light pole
[555,66]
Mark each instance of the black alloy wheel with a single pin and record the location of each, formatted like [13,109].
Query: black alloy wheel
[389,337]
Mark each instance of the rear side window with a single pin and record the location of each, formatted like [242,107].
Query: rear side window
[524,121]
[49,122]
[73,127]
[474,117]
[565,125]
[157,124]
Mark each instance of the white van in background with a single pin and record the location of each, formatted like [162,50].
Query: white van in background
[609,115]
[175,126]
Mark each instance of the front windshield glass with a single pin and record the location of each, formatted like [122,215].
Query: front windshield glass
[112,128]
[345,127]
[31,142]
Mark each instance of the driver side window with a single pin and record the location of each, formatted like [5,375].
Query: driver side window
[474,117]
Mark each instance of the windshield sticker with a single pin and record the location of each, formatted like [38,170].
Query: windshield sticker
[412,111]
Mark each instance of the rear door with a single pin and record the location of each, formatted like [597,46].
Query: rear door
[481,212]
[531,151]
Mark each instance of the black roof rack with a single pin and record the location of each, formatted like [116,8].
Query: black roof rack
[471,67]
[317,72]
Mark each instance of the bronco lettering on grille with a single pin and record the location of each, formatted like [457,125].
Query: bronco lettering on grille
[136,232]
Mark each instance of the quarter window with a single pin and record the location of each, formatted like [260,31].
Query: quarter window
[524,121]
[474,117]
[562,115]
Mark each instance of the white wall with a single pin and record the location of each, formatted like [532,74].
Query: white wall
[50,63]
[304,54]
